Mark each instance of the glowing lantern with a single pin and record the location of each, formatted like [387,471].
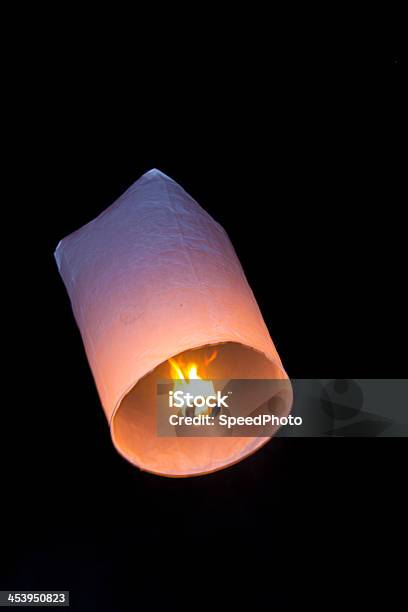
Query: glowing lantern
[158,292]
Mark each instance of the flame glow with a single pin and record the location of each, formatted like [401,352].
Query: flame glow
[185,373]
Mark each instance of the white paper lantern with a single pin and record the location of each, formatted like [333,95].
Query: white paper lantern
[153,277]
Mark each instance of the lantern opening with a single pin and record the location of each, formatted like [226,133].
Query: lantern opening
[134,424]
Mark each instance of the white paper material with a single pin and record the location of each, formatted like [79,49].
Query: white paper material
[152,276]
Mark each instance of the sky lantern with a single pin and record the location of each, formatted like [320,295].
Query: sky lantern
[158,293]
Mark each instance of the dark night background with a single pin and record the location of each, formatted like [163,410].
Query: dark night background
[295,150]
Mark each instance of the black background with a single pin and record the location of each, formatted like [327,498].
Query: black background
[295,150]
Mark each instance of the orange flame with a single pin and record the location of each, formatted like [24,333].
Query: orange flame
[189,371]
[184,373]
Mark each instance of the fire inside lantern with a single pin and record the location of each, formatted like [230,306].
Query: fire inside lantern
[185,376]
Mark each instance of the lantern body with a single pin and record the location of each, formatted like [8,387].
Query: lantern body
[152,277]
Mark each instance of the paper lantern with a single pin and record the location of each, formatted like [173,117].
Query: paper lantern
[151,278]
